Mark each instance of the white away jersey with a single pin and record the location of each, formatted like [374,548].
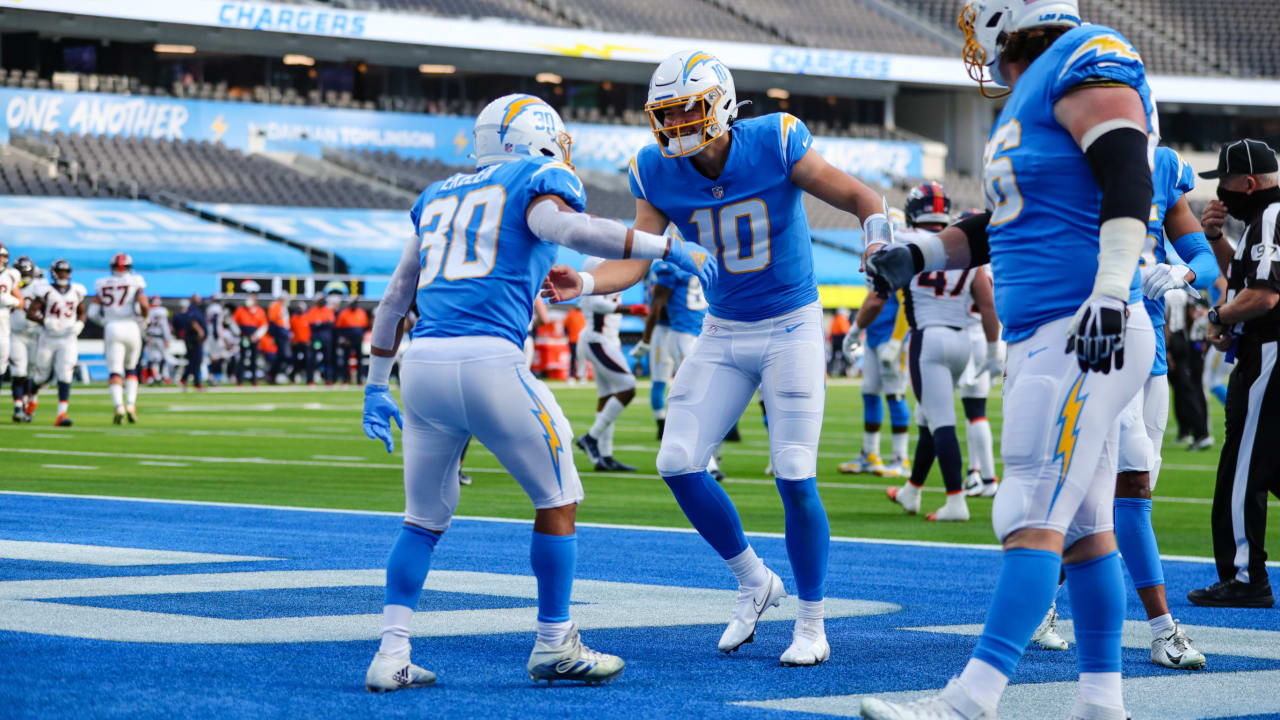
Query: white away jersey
[941,298]
[10,278]
[158,323]
[118,295]
[59,306]
[600,312]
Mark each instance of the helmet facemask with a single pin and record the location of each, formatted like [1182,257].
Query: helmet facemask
[686,138]
[976,54]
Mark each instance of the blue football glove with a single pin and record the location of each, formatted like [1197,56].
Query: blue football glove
[692,258]
[379,409]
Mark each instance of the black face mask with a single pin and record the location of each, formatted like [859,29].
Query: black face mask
[1243,206]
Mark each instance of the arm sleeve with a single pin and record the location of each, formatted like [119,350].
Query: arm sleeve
[556,178]
[1262,253]
[608,239]
[1194,250]
[795,140]
[397,298]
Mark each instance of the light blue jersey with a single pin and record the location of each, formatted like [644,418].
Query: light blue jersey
[1171,179]
[687,306]
[881,329]
[1042,195]
[481,265]
[751,216]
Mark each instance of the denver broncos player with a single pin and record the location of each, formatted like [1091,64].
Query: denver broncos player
[123,301]
[10,300]
[58,307]
[482,244]
[736,186]
[1069,160]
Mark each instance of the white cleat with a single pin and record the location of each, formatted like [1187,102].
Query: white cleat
[953,703]
[806,649]
[955,510]
[388,672]
[751,604]
[908,496]
[1046,636]
[863,464]
[900,467]
[1173,650]
[572,661]
[1089,711]
[972,483]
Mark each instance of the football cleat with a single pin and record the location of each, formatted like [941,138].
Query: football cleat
[1083,710]
[806,649]
[986,488]
[31,406]
[572,661]
[952,703]
[611,464]
[717,474]
[972,483]
[131,413]
[588,445]
[955,510]
[388,673]
[900,467]
[908,496]
[1204,443]
[62,421]
[118,418]
[750,605]
[463,478]
[863,464]
[1173,650]
[19,416]
[1046,635]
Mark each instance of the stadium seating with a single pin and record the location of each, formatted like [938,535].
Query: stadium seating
[850,25]
[20,175]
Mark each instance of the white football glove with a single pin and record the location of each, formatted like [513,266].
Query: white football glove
[640,350]
[994,363]
[889,353]
[851,343]
[1157,280]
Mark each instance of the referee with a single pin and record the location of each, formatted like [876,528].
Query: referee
[1248,326]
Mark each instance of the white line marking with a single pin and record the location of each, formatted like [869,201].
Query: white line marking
[114,556]
[340,458]
[53,466]
[53,436]
[158,463]
[1210,640]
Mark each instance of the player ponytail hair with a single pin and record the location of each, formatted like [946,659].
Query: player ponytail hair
[1031,43]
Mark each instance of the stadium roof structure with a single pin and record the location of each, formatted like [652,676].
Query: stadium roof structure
[408,39]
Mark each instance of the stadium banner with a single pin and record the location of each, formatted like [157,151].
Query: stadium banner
[447,139]
[238,285]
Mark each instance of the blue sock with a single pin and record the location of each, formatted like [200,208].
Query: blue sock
[710,511]
[872,410]
[1096,588]
[408,565]
[1137,541]
[1027,583]
[658,396]
[899,411]
[1220,392]
[553,558]
[808,535]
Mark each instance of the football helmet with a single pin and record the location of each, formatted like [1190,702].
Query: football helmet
[25,267]
[928,203]
[691,80]
[121,263]
[61,272]
[986,25]
[4,256]
[517,126]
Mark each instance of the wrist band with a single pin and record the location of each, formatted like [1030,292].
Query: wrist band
[588,283]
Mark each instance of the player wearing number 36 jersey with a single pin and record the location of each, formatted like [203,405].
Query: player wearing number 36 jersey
[123,302]
[735,187]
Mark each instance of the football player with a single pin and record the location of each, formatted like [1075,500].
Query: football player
[736,186]
[159,334]
[59,308]
[1069,159]
[676,312]
[937,306]
[465,374]
[615,383]
[23,335]
[123,301]
[10,300]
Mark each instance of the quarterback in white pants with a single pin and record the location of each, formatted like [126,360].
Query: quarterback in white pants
[59,308]
[123,302]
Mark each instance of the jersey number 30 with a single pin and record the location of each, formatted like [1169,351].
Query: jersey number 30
[743,252]
[474,220]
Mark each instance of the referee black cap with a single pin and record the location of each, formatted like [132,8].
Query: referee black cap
[1243,157]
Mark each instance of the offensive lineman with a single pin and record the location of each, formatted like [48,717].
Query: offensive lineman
[465,374]
[937,306]
[737,187]
[615,383]
[10,300]
[23,335]
[123,301]
[59,308]
[1069,158]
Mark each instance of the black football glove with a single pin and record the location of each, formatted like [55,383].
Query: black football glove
[892,268]
[1096,335]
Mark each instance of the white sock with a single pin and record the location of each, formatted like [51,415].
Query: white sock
[1160,625]
[809,618]
[606,417]
[984,682]
[900,445]
[606,441]
[554,634]
[395,630]
[660,414]
[956,498]
[748,568]
[1101,689]
[117,395]
[712,463]
[62,407]
[871,442]
[980,448]
[131,391]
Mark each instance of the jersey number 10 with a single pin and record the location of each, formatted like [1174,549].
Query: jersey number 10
[475,219]
[726,235]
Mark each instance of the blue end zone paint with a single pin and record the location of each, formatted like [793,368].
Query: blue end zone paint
[673,671]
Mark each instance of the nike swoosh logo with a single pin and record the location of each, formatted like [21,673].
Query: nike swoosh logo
[793,327]
[759,605]
[1037,351]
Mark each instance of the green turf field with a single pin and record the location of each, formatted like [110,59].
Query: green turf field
[304,447]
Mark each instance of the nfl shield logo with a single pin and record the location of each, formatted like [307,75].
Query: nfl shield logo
[717,191]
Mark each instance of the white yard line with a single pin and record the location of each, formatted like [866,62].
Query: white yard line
[53,466]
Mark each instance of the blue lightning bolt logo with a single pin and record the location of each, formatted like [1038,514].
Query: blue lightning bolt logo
[539,410]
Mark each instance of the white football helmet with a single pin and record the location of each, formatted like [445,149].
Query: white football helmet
[518,126]
[988,23]
[687,80]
